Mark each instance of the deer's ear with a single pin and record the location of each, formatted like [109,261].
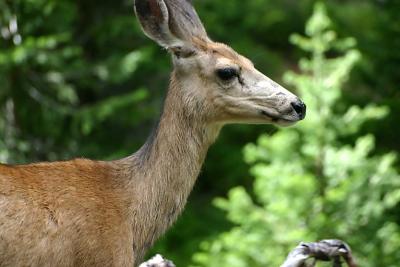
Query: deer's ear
[154,18]
[171,23]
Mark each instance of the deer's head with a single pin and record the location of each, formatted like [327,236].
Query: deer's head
[216,81]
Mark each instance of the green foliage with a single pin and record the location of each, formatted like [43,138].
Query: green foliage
[54,91]
[309,185]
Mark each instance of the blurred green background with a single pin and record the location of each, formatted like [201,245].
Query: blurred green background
[80,79]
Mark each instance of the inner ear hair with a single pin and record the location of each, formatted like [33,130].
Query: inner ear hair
[171,23]
[154,18]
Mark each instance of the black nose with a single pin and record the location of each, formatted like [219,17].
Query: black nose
[300,108]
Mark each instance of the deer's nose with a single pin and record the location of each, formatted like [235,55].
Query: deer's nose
[300,108]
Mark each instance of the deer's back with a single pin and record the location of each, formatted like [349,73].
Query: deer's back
[63,214]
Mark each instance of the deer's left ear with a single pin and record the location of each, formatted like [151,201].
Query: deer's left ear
[171,23]
[153,16]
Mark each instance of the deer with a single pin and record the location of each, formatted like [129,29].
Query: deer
[85,212]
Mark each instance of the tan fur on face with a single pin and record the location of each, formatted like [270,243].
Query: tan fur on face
[223,50]
[251,97]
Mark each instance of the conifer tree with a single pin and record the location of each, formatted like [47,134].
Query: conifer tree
[308,183]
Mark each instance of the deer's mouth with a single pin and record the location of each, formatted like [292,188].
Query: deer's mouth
[281,120]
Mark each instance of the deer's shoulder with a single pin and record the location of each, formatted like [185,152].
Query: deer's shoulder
[78,177]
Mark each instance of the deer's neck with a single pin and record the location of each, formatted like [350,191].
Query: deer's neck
[166,167]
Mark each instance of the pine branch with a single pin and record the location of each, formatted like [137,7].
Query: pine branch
[332,250]
[326,250]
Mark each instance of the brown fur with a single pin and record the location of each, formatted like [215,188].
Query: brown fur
[61,214]
[93,213]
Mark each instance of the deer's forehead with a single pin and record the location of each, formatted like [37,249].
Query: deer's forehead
[240,61]
[225,54]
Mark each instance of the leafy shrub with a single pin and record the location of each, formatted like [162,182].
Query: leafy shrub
[308,184]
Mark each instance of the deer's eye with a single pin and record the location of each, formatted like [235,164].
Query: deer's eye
[227,74]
